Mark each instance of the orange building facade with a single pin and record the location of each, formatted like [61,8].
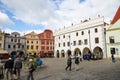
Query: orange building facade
[46,42]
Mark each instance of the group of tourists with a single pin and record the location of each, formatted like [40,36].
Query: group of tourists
[78,60]
[69,63]
[13,66]
[11,70]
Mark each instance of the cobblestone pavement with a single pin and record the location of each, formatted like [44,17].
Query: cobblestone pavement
[54,69]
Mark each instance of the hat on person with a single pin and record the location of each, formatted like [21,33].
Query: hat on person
[10,58]
[30,60]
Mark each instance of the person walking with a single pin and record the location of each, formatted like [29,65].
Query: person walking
[113,58]
[77,63]
[81,58]
[9,68]
[1,71]
[18,66]
[69,63]
[31,69]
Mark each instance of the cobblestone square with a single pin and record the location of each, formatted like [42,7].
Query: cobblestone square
[54,69]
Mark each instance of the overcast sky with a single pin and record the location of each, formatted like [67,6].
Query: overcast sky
[37,15]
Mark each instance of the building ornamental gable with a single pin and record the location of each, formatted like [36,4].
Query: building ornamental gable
[32,35]
[84,25]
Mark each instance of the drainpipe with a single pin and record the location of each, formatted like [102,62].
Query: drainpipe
[89,40]
[105,42]
[70,42]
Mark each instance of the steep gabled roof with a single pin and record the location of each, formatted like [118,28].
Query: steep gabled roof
[117,16]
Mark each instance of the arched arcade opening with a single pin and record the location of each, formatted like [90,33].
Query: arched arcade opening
[58,54]
[62,53]
[86,50]
[68,53]
[87,54]
[98,53]
[77,52]
[13,53]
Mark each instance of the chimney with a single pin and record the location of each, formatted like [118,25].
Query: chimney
[98,15]
[72,24]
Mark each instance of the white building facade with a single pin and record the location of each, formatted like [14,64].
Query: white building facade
[15,44]
[86,37]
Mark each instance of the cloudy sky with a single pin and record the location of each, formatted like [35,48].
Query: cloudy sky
[37,15]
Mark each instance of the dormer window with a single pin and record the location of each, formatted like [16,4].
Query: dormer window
[63,36]
[82,32]
[96,30]
[76,33]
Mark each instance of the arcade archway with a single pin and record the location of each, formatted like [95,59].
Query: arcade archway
[77,52]
[57,54]
[86,50]
[98,53]
[62,53]
[21,53]
[13,53]
[68,53]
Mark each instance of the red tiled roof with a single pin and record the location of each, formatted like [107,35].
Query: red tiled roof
[47,30]
[85,20]
[117,16]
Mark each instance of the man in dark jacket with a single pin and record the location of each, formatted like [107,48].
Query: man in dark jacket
[9,68]
[69,63]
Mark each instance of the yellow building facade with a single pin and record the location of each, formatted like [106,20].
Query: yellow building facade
[3,52]
[32,43]
[1,40]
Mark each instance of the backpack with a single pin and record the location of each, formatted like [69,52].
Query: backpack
[76,60]
[32,68]
[18,64]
